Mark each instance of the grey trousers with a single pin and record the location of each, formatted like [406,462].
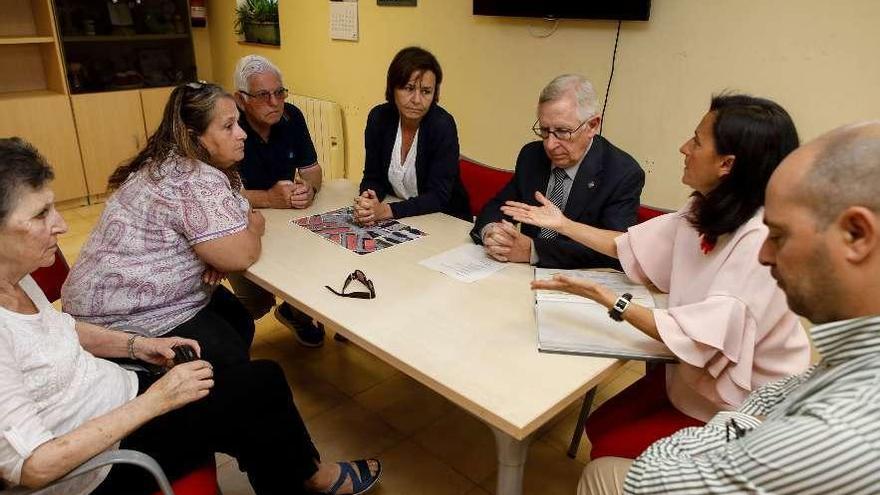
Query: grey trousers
[257,300]
[604,476]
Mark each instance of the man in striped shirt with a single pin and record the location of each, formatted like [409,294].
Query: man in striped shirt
[818,432]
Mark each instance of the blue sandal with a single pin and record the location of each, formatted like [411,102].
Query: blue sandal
[362,480]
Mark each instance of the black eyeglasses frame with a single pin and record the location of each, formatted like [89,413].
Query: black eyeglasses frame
[280,93]
[360,277]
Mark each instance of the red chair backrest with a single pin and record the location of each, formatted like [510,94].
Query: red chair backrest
[481,182]
[648,212]
[51,278]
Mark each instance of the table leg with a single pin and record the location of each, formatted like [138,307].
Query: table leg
[511,461]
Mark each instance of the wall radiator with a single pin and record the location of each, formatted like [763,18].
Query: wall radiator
[324,120]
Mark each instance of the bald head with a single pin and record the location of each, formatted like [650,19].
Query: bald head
[835,171]
[823,218]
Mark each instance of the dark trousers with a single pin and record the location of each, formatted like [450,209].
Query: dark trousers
[249,415]
[224,330]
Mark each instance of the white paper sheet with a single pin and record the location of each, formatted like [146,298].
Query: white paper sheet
[467,263]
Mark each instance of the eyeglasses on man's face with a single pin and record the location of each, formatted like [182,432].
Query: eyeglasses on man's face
[360,277]
[560,134]
[266,96]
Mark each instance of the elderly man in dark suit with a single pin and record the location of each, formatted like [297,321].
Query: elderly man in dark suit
[590,179]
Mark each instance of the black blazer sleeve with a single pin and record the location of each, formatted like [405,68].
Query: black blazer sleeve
[619,213]
[436,166]
[491,211]
[375,168]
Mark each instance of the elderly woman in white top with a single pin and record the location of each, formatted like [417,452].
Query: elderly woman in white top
[411,147]
[61,404]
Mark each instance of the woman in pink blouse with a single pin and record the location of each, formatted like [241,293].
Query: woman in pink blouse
[727,321]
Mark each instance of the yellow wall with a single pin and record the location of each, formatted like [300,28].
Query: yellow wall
[202,45]
[817,58]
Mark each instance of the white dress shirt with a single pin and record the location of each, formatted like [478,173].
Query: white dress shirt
[402,175]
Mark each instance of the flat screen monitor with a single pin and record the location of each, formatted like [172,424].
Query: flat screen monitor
[626,10]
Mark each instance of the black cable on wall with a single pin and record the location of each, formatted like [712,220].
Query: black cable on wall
[611,77]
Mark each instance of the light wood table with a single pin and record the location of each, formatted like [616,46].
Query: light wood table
[475,343]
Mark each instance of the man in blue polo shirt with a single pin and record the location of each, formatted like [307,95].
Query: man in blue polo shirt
[280,170]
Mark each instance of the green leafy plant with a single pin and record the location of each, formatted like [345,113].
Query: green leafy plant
[255,11]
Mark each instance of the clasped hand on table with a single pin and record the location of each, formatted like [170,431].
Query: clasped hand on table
[368,209]
[297,194]
[503,242]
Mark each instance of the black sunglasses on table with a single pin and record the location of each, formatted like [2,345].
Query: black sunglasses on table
[360,277]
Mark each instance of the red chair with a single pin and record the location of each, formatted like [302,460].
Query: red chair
[648,212]
[644,214]
[481,182]
[52,277]
[202,481]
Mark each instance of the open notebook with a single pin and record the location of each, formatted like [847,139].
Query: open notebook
[575,325]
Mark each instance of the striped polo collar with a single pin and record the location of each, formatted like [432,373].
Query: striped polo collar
[846,340]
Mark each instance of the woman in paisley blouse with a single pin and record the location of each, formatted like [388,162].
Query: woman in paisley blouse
[176,222]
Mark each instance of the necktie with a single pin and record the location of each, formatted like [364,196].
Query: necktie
[557,197]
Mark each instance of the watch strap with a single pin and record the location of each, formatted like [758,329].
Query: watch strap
[619,306]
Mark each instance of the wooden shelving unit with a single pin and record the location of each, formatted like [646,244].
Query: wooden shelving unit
[34,99]
[25,40]
[124,45]
[118,38]
[84,136]
[28,44]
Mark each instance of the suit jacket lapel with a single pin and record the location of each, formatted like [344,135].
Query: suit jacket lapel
[587,181]
[391,134]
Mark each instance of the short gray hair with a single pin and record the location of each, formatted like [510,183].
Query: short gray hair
[845,172]
[21,165]
[250,65]
[559,87]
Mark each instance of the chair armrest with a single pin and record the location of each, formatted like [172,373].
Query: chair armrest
[123,456]
[120,456]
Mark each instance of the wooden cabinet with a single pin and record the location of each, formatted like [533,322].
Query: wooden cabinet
[46,121]
[113,126]
[153,100]
[112,45]
[110,127]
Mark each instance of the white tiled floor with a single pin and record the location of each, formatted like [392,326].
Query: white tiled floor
[355,405]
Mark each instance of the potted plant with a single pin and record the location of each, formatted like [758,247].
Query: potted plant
[257,20]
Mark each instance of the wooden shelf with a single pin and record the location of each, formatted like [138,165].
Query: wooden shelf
[113,38]
[25,40]
[255,44]
[10,95]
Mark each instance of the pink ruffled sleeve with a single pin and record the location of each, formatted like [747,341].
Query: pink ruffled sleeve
[721,332]
[645,251]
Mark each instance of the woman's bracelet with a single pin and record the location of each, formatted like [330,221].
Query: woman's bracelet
[131,346]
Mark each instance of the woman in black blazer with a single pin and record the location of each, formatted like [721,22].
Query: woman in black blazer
[411,146]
